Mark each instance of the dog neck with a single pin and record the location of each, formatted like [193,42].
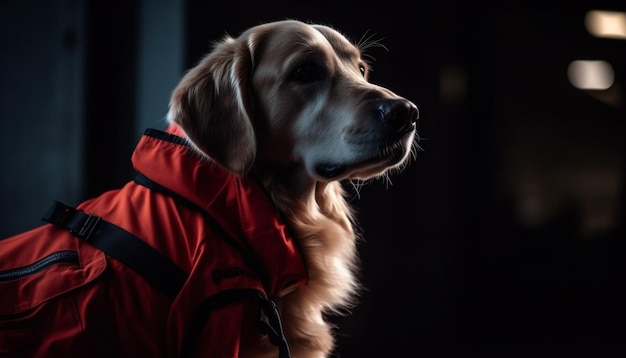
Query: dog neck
[289,181]
[323,226]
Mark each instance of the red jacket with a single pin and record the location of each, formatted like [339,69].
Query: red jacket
[97,306]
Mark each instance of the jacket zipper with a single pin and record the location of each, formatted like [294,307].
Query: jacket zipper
[69,257]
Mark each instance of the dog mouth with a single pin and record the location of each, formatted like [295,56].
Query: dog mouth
[330,170]
[390,153]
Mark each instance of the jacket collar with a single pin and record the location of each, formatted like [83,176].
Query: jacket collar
[239,204]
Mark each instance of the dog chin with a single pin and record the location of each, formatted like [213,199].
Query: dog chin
[330,170]
[389,157]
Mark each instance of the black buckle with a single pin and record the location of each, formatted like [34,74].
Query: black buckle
[87,227]
[77,222]
[271,327]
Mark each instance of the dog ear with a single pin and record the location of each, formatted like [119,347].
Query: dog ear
[211,104]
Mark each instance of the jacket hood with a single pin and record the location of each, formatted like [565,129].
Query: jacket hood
[238,203]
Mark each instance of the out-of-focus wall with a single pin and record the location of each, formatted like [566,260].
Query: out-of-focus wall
[160,60]
[68,89]
[41,103]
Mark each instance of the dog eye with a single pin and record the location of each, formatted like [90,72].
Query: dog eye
[362,69]
[308,72]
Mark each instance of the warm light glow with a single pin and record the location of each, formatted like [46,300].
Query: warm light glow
[591,75]
[610,24]
[452,84]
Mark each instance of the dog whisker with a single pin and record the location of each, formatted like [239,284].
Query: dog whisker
[368,41]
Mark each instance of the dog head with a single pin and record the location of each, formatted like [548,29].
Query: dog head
[288,94]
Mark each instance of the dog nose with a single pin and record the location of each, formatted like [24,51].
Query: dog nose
[398,115]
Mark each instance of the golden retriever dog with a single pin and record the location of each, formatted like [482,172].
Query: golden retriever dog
[235,237]
[290,103]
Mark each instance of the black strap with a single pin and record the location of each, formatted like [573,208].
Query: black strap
[272,327]
[118,243]
[270,323]
[219,230]
[157,269]
[269,319]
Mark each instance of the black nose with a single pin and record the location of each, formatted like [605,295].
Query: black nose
[398,115]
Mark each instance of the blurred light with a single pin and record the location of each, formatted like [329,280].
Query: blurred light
[591,75]
[609,24]
[452,84]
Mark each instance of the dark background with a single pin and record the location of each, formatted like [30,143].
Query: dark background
[503,238]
